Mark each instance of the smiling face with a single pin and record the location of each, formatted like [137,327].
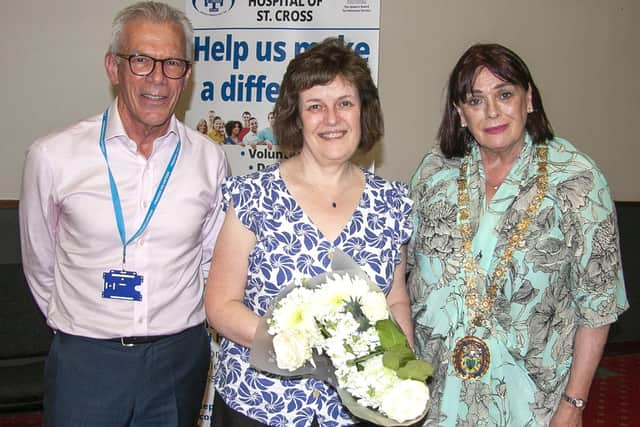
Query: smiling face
[147,103]
[236,129]
[330,116]
[496,112]
[245,118]
[202,126]
[218,124]
[253,125]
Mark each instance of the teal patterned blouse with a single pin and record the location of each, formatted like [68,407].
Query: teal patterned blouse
[567,274]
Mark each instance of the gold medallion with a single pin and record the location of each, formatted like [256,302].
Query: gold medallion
[471,358]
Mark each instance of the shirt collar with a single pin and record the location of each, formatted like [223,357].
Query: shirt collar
[525,167]
[115,128]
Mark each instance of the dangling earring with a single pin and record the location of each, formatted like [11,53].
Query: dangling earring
[463,125]
[529,109]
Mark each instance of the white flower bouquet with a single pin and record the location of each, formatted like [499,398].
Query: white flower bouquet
[337,327]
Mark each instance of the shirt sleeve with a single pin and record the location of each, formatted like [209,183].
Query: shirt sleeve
[38,220]
[213,223]
[598,289]
[243,192]
[404,208]
[413,189]
[401,210]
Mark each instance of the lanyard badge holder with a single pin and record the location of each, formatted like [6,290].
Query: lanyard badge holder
[123,284]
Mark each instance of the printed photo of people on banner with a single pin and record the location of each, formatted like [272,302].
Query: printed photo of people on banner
[242,49]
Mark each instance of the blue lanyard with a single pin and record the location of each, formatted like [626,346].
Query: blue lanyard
[115,197]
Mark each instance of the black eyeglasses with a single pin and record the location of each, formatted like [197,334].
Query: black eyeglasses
[143,65]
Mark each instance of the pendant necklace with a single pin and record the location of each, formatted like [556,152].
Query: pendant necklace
[471,356]
[334,203]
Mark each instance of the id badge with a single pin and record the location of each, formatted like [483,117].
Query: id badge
[121,284]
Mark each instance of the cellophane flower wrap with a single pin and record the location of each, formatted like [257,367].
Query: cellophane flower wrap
[337,327]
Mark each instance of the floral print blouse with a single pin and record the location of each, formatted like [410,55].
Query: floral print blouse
[566,274]
[289,246]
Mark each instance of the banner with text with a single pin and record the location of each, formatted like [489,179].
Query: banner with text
[242,48]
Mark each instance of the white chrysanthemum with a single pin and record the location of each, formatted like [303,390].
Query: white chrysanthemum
[293,313]
[406,400]
[292,350]
[357,285]
[337,290]
[330,299]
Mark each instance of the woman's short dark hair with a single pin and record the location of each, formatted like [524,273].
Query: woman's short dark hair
[505,65]
[230,125]
[320,65]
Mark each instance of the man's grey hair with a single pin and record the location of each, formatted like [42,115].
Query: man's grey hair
[155,12]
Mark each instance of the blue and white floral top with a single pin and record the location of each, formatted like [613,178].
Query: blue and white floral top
[289,246]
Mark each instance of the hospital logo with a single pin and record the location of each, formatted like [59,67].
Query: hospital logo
[213,7]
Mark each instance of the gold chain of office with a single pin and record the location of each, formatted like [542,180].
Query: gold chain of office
[480,305]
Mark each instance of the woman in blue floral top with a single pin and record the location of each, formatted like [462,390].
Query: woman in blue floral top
[285,222]
[516,264]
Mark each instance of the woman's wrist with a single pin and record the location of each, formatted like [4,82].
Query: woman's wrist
[574,401]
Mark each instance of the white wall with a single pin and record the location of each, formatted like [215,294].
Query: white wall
[582,54]
[52,72]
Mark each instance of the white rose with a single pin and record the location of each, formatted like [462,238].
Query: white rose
[292,350]
[374,306]
[405,401]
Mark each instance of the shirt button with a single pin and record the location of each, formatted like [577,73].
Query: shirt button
[330,255]
[316,394]
[140,243]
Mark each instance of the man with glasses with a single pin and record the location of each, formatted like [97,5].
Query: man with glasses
[119,214]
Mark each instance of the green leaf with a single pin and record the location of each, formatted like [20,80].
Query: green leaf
[397,356]
[416,370]
[390,334]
